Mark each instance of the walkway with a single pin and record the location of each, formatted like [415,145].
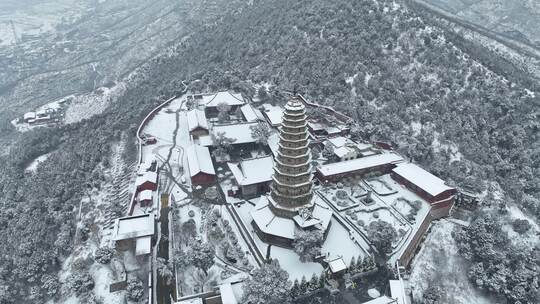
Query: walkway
[257,255]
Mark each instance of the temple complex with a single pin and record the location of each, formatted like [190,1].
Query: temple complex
[291,204]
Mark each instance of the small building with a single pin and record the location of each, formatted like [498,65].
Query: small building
[211,102]
[333,131]
[201,168]
[147,181]
[381,163]
[344,148]
[135,233]
[145,198]
[150,140]
[253,176]
[29,116]
[273,114]
[337,266]
[249,113]
[316,128]
[427,186]
[197,124]
[324,129]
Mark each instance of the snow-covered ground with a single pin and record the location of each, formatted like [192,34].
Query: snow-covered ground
[529,238]
[439,264]
[338,243]
[78,107]
[35,163]
[35,18]
[87,105]
[95,210]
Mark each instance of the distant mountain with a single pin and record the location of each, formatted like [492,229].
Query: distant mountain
[518,19]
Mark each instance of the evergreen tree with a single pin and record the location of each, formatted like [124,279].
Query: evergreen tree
[303,285]
[322,279]
[352,265]
[295,289]
[314,282]
[268,285]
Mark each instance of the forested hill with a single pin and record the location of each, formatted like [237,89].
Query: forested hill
[443,101]
[437,96]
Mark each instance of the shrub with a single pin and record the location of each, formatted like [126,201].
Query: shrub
[135,289]
[81,282]
[103,255]
[521,226]
[341,194]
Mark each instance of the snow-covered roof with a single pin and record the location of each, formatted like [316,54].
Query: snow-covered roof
[241,132]
[343,151]
[397,291]
[252,171]
[205,141]
[269,223]
[315,126]
[421,178]
[199,160]
[227,294]
[146,165]
[41,113]
[381,300]
[29,115]
[196,119]
[359,164]
[273,142]
[143,245]
[364,146]
[339,141]
[133,227]
[333,130]
[145,195]
[148,176]
[273,114]
[368,153]
[232,99]
[249,112]
[320,216]
[337,265]
[191,301]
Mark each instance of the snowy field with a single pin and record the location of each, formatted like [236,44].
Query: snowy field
[338,243]
[32,167]
[78,107]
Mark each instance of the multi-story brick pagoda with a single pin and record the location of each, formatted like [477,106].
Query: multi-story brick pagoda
[291,204]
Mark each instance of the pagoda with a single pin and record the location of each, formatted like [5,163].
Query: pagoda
[291,204]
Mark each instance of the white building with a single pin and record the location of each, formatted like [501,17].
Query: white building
[134,233]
